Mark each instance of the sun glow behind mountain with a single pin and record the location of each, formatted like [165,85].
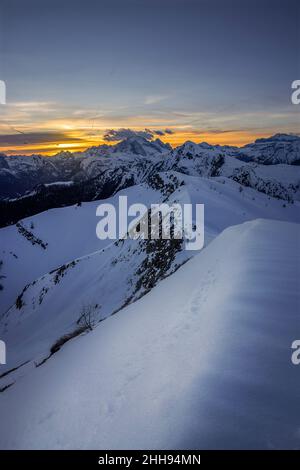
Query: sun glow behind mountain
[65,138]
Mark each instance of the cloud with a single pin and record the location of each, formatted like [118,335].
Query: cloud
[114,135]
[219,131]
[153,99]
[162,132]
[22,138]
[33,105]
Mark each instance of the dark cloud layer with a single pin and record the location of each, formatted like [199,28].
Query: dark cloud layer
[113,135]
[162,132]
[22,138]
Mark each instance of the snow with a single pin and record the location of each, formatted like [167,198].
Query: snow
[70,233]
[51,309]
[280,148]
[202,361]
[60,183]
[134,157]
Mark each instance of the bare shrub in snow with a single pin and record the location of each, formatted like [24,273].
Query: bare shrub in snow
[88,316]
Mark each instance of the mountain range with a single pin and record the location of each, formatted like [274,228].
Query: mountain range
[184,349]
[31,184]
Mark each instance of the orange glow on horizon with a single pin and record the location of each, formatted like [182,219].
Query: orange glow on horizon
[82,142]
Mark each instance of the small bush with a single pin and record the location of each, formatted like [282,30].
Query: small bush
[88,316]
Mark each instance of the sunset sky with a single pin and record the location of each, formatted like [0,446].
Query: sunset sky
[208,70]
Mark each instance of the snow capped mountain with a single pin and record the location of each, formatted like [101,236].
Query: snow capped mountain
[279,181]
[19,174]
[102,171]
[280,148]
[190,149]
[202,361]
[141,146]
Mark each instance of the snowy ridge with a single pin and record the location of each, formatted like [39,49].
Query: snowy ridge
[205,354]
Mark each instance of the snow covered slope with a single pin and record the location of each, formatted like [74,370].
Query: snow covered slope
[74,269]
[69,233]
[201,361]
[64,234]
